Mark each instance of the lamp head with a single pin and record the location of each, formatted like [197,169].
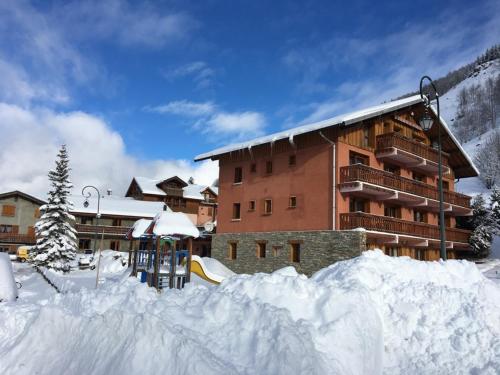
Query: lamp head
[86,203]
[426,121]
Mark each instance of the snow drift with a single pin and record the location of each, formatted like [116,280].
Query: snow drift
[8,287]
[370,315]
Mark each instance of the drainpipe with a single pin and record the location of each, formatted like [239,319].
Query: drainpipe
[334,182]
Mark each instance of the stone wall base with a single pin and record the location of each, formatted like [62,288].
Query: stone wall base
[318,249]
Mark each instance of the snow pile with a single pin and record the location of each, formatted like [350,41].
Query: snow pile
[111,261]
[8,287]
[369,315]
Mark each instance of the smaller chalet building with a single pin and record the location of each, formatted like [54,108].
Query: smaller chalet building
[18,214]
[199,202]
[324,192]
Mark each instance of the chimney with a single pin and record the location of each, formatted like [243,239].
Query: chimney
[110,191]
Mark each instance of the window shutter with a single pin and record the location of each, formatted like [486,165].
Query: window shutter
[8,210]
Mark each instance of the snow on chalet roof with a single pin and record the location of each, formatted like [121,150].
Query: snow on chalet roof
[191,191]
[113,205]
[345,119]
[173,223]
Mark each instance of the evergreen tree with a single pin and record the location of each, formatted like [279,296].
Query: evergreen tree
[495,209]
[482,235]
[56,237]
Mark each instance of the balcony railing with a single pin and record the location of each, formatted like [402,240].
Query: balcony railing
[17,238]
[107,229]
[359,172]
[355,220]
[395,140]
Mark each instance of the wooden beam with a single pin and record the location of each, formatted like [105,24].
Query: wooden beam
[190,255]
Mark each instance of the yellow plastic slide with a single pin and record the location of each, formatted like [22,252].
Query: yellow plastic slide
[209,269]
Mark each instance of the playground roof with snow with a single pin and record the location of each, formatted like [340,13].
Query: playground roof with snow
[164,224]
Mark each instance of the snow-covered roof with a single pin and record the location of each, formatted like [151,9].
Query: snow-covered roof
[139,228]
[113,205]
[148,186]
[191,191]
[173,223]
[345,119]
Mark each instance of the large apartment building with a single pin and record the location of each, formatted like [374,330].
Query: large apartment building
[319,193]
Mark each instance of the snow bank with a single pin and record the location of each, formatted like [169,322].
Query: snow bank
[370,315]
[8,287]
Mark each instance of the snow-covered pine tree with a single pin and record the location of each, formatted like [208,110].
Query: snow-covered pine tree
[481,237]
[495,209]
[56,237]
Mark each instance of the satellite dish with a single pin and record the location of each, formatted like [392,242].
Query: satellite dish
[209,226]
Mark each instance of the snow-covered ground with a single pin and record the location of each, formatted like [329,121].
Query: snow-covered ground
[370,315]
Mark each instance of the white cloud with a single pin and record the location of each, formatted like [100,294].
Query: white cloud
[240,124]
[216,123]
[199,71]
[185,108]
[128,22]
[31,138]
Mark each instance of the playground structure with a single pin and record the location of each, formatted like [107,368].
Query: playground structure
[165,247]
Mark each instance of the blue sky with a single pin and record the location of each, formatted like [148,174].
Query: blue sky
[173,79]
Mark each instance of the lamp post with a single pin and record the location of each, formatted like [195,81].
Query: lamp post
[426,123]
[98,215]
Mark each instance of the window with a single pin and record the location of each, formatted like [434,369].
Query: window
[37,213]
[268,206]
[8,210]
[261,250]
[231,251]
[355,158]
[251,206]
[117,222]
[114,245]
[292,160]
[238,175]
[419,254]
[269,167]
[236,211]
[367,136]
[419,216]
[392,211]
[86,220]
[84,244]
[210,211]
[276,251]
[391,168]
[393,251]
[253,167]
[358,205]
[418,177]
[397,129]
[6,229]
[292,202]
[295,252]
[446,185]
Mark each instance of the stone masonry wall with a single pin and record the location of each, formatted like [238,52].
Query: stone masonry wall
[318,249]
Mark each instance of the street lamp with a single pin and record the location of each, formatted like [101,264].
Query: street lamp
[426,123]
[98,215]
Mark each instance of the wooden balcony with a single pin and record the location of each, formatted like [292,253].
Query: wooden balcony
[384,185]
[410,153]
[397,226]
[106,229]
[17,238]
